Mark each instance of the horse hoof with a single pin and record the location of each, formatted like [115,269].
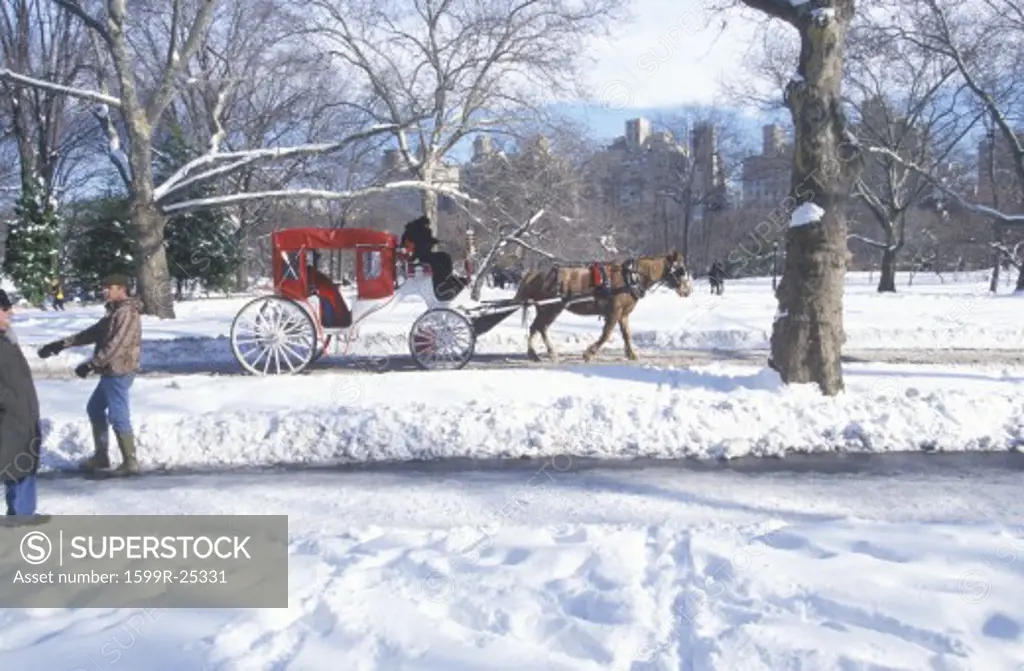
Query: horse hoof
[532,356]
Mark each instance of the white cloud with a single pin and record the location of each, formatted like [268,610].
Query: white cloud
[671,53]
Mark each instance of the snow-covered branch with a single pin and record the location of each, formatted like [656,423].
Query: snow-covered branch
[178,180]
[500,243]
[781,9]
[867,241]
[536,250]
[114,150]
[1012,255]
[84,94]
[992,213]
[313,194]
[218,111]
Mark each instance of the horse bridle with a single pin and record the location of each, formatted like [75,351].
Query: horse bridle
[673,275]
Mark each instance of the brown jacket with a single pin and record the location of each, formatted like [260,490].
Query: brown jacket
[118,339]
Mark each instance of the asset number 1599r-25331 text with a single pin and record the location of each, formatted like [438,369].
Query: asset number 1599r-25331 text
[180,577]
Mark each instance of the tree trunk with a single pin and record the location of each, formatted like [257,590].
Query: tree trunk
[1020,279]
[887,280]
[428,201]
[997,257]
[808,334]
[242,273]
[151,259]
[242,242]
[687,219]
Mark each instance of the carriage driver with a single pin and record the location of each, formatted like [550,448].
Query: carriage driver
[118,340]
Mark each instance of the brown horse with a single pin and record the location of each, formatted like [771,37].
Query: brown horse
[583,291]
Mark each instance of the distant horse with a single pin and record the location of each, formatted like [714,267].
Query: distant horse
[609,290]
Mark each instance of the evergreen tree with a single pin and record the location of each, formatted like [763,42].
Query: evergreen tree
[201,246]
[33,239]
[99,244]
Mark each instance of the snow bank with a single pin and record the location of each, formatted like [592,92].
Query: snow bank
[612,412]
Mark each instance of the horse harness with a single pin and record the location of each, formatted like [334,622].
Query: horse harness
[630,279]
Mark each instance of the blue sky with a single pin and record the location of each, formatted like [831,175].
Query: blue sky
[670,54]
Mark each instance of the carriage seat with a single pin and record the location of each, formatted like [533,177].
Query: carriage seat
[334,313]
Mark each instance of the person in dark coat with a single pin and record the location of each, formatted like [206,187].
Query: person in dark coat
[418,234]
[717,277]
[20,429]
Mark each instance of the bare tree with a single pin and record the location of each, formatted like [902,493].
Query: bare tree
[264,92]
[984,43]
[906,102]
[696,185]
[807,335]
[469,67]
[143,98]
[529,199]
[37,38]
[53,142]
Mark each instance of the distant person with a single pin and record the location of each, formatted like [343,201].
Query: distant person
[717,277]
[20,430]
[58,295]
[118,340]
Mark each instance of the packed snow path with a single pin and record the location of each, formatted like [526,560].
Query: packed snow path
[953,319]
[905,563]
[395,364]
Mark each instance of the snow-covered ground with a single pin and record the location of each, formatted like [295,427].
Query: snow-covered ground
[545,564]
[548,566]
[934,313]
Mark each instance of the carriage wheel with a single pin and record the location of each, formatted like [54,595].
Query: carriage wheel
[442,339]
[273,335]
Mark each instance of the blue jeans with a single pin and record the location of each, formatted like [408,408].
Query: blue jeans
[21,496]
[111,399]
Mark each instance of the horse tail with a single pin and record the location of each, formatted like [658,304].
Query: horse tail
[526,307]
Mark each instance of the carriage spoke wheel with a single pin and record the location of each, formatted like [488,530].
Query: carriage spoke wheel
[273,336]
[442,339]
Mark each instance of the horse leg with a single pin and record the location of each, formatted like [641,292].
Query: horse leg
[531,353]
[552,354]
[606,333]
[627,338]
[550,315]
[541,321]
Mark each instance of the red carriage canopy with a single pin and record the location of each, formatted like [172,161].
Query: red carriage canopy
[375,259]
[293,239]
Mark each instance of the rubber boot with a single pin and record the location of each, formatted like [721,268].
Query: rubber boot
[129,465]
[101,446]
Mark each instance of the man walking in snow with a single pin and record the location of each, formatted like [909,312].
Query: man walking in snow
[118,340]
[20,431]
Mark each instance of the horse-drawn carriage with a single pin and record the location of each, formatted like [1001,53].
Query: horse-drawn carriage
[286,331]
